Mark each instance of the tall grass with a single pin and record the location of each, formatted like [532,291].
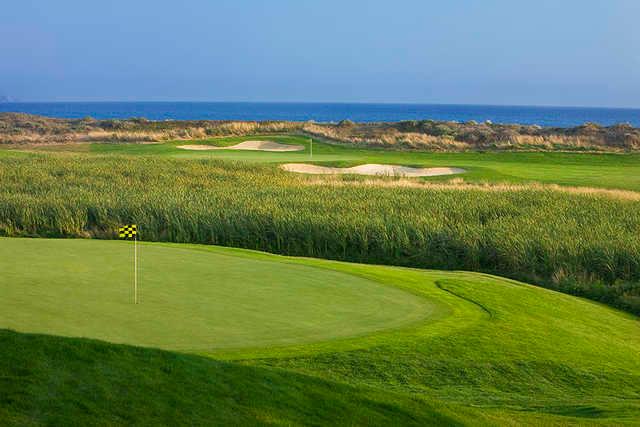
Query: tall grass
[16,128]
[453,136]
[432,135]
[585,244]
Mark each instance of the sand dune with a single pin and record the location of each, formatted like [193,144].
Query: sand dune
[248,145]
[371,169]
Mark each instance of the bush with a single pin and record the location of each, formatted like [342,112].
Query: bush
[346,123]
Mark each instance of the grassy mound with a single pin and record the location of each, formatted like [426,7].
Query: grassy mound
[61,381]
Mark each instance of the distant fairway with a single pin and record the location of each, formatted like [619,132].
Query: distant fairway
[606,170]
[192,298]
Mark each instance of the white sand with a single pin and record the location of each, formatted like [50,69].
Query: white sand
[371,169]
[248,145]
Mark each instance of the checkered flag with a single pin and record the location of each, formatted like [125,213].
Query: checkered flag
[128,232]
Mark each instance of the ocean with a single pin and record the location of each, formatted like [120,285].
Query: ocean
[328,112]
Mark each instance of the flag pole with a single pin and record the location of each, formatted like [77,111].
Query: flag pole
[135,268]
[311,147]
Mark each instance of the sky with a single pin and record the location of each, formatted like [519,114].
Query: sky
[501,52]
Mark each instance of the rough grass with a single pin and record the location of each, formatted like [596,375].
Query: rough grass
[461,184]
[584,244]
[30,129]
[422,135]
[453,136]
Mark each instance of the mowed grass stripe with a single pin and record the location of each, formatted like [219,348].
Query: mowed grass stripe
[190,299]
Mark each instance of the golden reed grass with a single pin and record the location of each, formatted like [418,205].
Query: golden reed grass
[460,184]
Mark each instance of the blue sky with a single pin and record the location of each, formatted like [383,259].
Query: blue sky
[536,52]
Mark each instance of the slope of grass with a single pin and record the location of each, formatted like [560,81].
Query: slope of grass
[48,380]
[499,352]
[62,381]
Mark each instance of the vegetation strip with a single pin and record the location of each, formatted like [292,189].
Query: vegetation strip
[460,184]
[581,244]
[413,134]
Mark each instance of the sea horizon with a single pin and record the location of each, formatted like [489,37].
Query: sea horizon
[554,116]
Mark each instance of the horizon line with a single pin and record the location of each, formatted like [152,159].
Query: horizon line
[320,102]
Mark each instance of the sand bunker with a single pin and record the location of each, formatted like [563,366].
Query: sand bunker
[371,169]
[248,145]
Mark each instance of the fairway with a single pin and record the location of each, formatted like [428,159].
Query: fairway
[602,170]
[192,298]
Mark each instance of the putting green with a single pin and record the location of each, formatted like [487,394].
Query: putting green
[191,298]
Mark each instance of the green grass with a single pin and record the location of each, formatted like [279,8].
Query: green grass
[221,300]
[272,340]
[491,352]
[582,244]
[54,381]
[620,171]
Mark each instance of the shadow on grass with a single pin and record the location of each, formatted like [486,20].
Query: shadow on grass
[62,381]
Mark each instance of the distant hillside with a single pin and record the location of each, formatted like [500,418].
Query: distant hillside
[420,135]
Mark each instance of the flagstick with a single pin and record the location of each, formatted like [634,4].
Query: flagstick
[135,268]
[311,147]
